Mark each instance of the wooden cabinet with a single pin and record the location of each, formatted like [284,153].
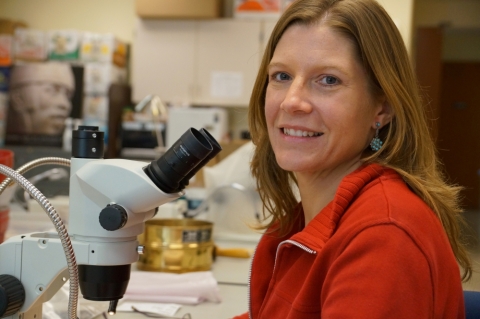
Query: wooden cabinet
[163,54]
[202,62]
[227,61]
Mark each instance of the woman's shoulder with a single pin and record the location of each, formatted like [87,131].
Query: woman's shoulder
[389,196]
[372,195]
[376,185]
[386,199]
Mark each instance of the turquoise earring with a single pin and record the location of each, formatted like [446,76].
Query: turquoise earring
[376,143]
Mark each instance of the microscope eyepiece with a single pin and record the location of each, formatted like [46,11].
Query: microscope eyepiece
[186,155]
[216,149]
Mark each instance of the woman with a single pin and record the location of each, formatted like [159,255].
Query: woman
[336,112]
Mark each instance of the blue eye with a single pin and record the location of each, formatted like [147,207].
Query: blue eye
[281,76]
[329,80]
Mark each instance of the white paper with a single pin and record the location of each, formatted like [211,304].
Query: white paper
[226,84]
[158,308]
[187,288]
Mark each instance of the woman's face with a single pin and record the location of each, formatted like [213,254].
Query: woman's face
[320,112]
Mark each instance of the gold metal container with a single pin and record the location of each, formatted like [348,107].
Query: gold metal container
[176,245]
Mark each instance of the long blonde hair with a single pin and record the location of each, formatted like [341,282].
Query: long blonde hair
[408,146]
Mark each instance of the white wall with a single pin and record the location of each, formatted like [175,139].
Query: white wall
[118,16]
[401,12]
[104,16]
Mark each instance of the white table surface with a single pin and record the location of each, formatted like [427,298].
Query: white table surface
[234,302]
[232,277]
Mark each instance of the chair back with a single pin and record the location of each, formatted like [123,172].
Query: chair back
[472,304]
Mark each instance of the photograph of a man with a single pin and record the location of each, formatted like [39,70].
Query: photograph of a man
[40,98]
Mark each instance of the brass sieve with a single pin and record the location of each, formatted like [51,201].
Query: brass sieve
[176,245]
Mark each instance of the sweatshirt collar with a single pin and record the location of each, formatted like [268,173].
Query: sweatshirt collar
[323,225]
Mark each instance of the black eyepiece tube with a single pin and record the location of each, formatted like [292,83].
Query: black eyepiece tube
[87,142]
[216,149]
[185,155]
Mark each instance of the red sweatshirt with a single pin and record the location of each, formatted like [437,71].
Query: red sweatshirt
[377,251]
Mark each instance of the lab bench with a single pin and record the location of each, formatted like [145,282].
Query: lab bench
[232,277]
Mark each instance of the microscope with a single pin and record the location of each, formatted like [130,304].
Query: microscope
[110,200]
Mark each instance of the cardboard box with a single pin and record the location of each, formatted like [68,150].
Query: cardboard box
[105,48]
[8,26]
[95,108]
[178,9]
[227,149]
[99,76]
[64,45]
[30,45]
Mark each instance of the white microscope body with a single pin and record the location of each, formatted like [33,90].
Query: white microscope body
[109,202]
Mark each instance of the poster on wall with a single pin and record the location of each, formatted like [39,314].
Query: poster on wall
[42,95]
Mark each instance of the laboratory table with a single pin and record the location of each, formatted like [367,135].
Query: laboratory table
[232,277]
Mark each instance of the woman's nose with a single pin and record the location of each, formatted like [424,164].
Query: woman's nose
[297,98]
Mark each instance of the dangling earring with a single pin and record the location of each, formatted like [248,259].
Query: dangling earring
[376,143]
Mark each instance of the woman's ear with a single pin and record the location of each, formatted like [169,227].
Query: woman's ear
[384,113]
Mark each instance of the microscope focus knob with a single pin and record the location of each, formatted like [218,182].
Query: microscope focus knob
[12,295]
[113,217]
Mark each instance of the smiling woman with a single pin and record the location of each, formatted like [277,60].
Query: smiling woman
[319,110]
[336,113]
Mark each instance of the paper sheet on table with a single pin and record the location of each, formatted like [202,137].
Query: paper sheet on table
[187,288]
[166,309]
